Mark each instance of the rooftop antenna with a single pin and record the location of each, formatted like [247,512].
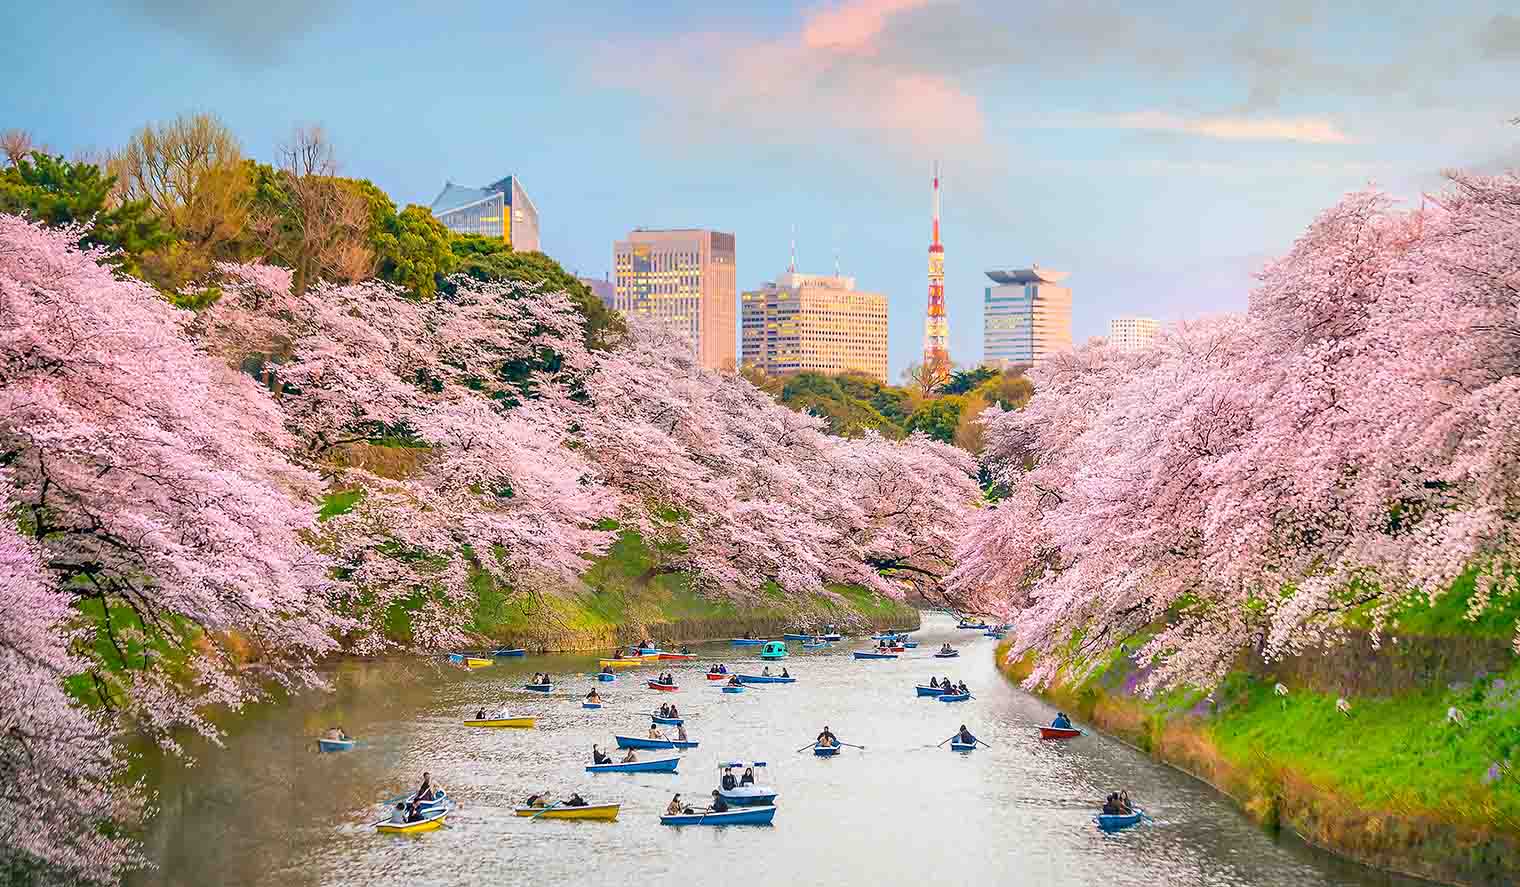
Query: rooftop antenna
[792,268]
[836,261]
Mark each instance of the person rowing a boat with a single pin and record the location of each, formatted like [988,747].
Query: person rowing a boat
[598,757]
[964,737]
[607,669]
[734,681]
[962,688]
[934,683]
[593,696]
[425,791]
[826,739]
[538,800]
[1062,722]
[630,758]
[654,731]
[718,805]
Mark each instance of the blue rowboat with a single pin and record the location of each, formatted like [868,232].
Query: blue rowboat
[591,705]
[663,765]
[515,651]
[538,688]
[456,658]
[930,691]
[813,645]
[909,644]
[833,636]
[954,697]
[747,816]
[765,679]
[796,637]
[637,742]
[957,745]
[673,722]
[336,744]
[980,626]
[773,650]
[887,636]
[746,642]
[862,655]
[645,651]
[728,689]
[605,676]
[943,655]
[1112,822]
[825,751]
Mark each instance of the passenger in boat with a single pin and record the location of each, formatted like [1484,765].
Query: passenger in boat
[934,683]
[654,731]
[718,805]
[680,732]
[749,776]
[575,800]
[538,800]
[630,758]
[964,737]
[597,757]
[398,815]
[1125,807]
[1062,722]
[947,684]
[827,738]
[685,650]
[728,781]
[785,673]
[414,812]
[1111,806]
[674,712]
[766,671]
[606,669]
[962,688]
[480,714]
[674,807]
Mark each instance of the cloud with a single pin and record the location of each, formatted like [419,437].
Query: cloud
[1235,128]
[853,25]
[252,33]
[1500,38]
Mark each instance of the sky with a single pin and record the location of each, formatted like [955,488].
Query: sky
[1160,152]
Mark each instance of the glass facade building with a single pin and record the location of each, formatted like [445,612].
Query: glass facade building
[1026,316]
[501,210]
[685,280]
[815,323]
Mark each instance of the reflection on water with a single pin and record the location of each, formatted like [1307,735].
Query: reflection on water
[266,809]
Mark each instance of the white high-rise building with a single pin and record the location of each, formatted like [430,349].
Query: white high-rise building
[1132,333]
[1026,316]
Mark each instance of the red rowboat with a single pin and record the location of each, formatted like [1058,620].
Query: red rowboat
[656,685]
[715,677]
[1058,733]
[679,656]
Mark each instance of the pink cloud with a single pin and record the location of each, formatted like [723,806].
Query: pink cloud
[853,25]
[1313,130]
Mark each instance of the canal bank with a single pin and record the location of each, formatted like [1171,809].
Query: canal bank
[1393,780]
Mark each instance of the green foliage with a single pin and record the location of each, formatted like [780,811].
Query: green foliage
[850,403]
[339,502]
[53,191]
[486,259]
[413,250]
[966,381]
[938,418]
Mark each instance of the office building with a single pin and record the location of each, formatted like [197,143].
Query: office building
[683,279]
[501,211]
[815,323]
[1026,316]
[1132,333]
[603,289]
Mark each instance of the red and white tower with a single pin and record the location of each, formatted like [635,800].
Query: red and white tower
[936,326]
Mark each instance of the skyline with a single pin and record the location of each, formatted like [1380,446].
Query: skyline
[1160,156]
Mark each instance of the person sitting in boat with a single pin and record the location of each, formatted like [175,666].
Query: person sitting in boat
[735,682]
[575,800]
[540,799]
[718,805]
[674,807]
[1125,807]
[749,776]
[785,673]
[934,683]
[425,791]
[593,696]
[606,669]
[398,815]
[1111,806]
[964,737]
[414,812]
[728,782]
[480,714]
[631,757]
[766,671]
[654,731]
[680,732]
[946,649]
[598,757]
[685,650]
[947,684]
[1062,722]
[962,688]
[674,712]
[617,653]
[827,739]
[647,645]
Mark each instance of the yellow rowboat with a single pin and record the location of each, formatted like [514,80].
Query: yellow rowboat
[622,663]
[385,826]
[499,722]
[479,663]
[605,812]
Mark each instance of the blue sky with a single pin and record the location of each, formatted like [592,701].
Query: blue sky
[1160,152]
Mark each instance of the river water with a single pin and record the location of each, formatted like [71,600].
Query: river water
[265,809]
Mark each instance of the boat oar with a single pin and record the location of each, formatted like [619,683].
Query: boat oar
[942,744]
[543,811]
[988,744]
[853,745]
[808,746]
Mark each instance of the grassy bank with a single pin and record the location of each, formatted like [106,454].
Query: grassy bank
[1397,782]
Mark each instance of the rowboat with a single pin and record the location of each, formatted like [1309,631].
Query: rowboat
[957,745]
[813,645]
[833,636]
[515,651]
[456,658]
[499,722]
[604,812]
[667,688]
[474,662]
[773,650]
[649,651]
[1112,822]
[1059,733]
[825,751]
[943,655]
[621,663]
[425,824]
[885,636]
[893,649]
[747,816]
[637,742]
[661,765]
[746,642]
[591,705]
[980,626]
[732,689]
[539,688]
[954,697]
[680,657]
[751,795]
[336,744]
[606,676]
[715,676]
[910,644]
[930,691]
[796,637]
[765,679]
[863,655]
[671,722]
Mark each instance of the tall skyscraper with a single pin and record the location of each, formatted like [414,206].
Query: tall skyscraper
[936,325]
[815,323]
[1132,333]
[684,279]
[1025,317]
[501,210]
